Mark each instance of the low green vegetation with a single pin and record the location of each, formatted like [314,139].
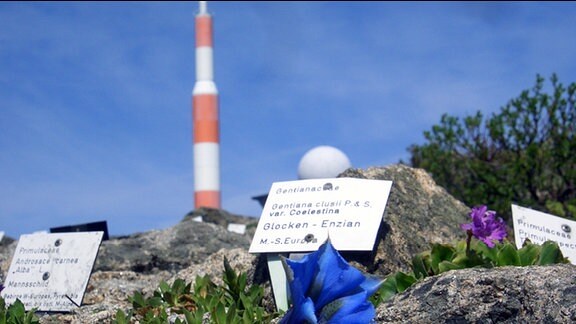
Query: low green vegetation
[16,314]
[233,302]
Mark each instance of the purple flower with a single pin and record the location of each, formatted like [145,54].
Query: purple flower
[485,227]
[324,288]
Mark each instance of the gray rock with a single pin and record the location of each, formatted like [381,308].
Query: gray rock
[535,294]
[418,213]
[224,218]
[7,248]
[188,242]
[5,241]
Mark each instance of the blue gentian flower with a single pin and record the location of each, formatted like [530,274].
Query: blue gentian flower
[485,227]
[324,288]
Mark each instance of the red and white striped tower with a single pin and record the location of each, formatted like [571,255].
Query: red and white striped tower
[206,130]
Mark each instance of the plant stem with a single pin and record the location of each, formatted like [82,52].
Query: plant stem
[468,239]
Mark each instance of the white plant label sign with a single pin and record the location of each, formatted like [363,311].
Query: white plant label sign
[299,215]
[50,272]
[540,227]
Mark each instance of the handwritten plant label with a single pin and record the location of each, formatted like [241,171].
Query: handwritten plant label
[540,227]
[299,215]
[50,271]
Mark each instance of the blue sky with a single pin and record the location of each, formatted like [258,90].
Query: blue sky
[95,119]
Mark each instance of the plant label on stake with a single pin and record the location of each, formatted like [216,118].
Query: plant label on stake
[300,215]
[539,227]
[50,272]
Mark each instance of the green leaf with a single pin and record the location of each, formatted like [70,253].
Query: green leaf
[404,281]
[508,255]
[244,302]
[388,288]
[232,314]
[447,265]
[550,254]
[460,259]
[489,255]
[179,287]
[229,275]
[529,254]
[193,317]
[31,317]
[419,267]
[137,300]
[164,287]
[246,319]
[219,314]
[439,253]
[155,301]
[16,310]
[122,318]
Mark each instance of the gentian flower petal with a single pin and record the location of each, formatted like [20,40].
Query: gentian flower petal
[335,278]
[371,284]
[302,310]
[300,314]
[349,309]
[305,269]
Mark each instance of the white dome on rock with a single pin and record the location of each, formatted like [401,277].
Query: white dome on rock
[322,162]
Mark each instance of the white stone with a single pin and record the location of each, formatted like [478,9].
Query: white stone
[237,228]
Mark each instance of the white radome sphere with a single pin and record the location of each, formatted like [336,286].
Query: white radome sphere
[322,162]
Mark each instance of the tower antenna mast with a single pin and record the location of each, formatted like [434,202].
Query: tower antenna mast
[205,115]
